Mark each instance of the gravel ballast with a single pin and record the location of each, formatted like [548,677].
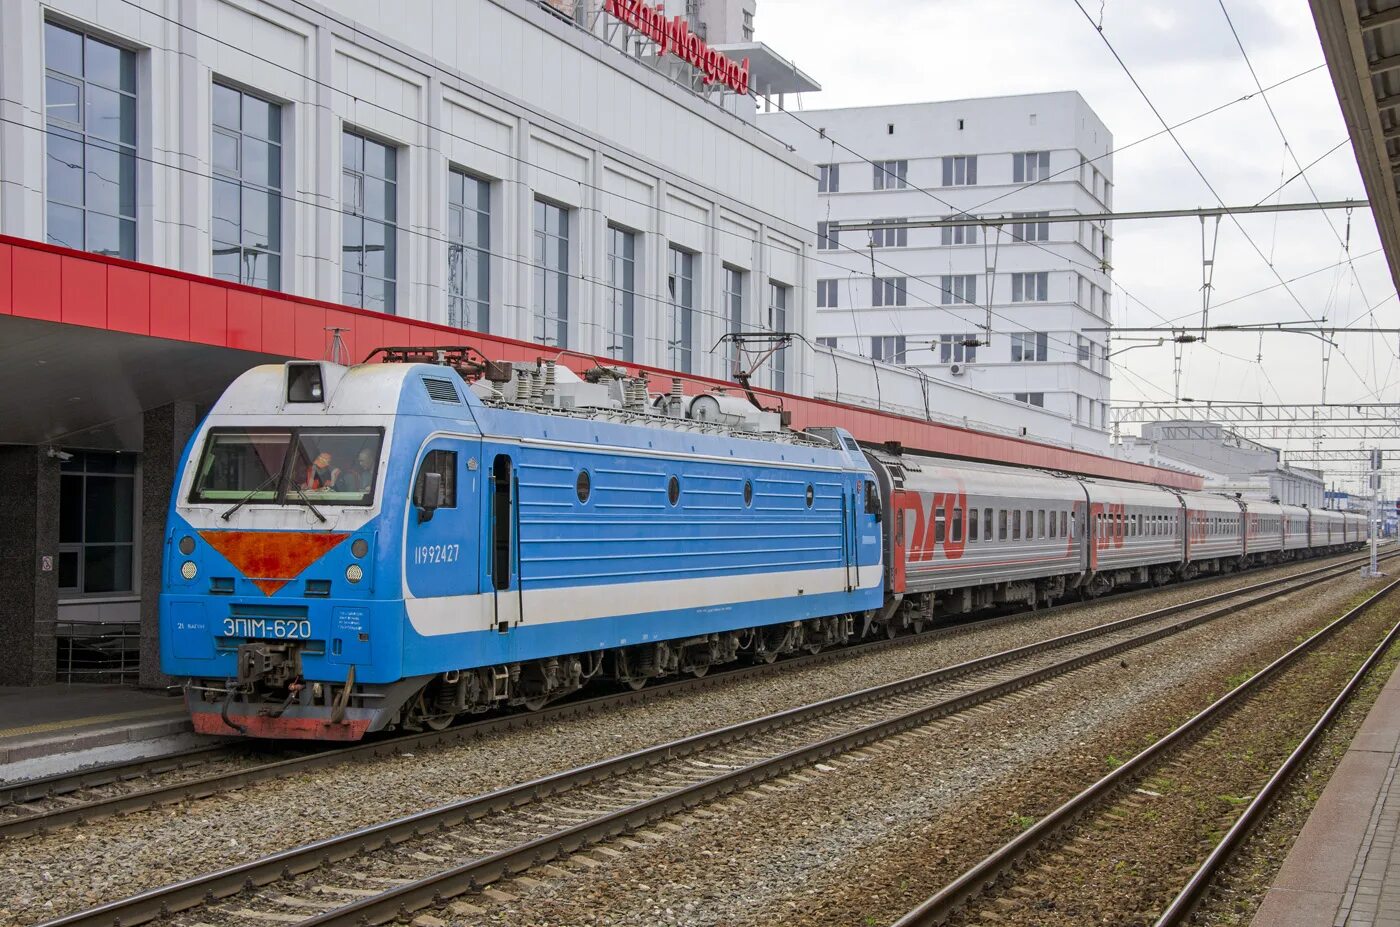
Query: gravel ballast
[44,876]
[869,836]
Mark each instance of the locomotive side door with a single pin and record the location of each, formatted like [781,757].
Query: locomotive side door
[503,548]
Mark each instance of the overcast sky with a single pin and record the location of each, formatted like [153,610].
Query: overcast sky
[1183,54]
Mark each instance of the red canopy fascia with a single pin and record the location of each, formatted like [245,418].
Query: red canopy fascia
[55,284]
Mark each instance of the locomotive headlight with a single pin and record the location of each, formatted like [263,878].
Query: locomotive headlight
[187,545]
[188,569]
[354,573]
[359,547]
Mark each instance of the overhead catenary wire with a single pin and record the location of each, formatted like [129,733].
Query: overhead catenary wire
[1201,174]
[512,156]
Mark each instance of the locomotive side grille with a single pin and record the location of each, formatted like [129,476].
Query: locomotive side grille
[441,390]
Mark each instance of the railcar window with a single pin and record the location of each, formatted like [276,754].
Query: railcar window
[338,466]
[748,492]
[1016,525]
[939,526]
[811,494]
[1040,523]
[1050,522]
[972,524]
[987,525]
[1002,532]
[444,462]
[583,486]
[956,530]
[673,490]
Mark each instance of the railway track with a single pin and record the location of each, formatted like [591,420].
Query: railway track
[378,873]
[54,802]
[1025,871]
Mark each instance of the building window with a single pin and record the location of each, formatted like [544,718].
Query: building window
[247,211]
[1030,166]
[468,251]
[1030,288]
[958,288]
[887,348]
[680,285]
[1030,231]
[734,305]
[827,294]
[959,234]
[1031,399]
[827,342]
[827,237]
[96,518]
[748,25]
[1027,347]
[888,291]
[828,178]
[90,112]
[551,296]
[369,197]
[779,296]
[889,237]
[1085,351]
[960,171]
[957,349]
[622,293]
[891,175]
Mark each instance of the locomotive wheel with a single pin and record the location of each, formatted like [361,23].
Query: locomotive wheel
[535,704]
[699,670]
[439,722]
[891,630]
[766,656]
[638,683]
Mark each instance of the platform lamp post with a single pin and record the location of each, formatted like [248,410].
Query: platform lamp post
[1370,570]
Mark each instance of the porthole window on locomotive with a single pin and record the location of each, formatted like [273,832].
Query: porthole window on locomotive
[811,494]
[673,490]
[583,486]
[748,492]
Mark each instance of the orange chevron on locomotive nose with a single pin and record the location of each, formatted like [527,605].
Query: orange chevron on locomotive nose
[271,559]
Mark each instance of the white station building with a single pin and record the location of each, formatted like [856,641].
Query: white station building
[1018,310]
[589,176]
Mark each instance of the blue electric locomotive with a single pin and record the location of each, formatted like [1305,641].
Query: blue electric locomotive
[397,544]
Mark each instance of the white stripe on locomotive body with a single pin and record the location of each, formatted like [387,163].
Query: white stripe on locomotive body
[439,615]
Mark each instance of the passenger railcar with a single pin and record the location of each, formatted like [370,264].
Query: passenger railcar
[1295,529]
[970,535]
[1263,531]
[1136,533]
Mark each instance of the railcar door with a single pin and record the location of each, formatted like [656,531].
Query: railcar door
[503,525]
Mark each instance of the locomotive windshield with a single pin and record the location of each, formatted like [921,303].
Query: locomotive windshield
[335,466]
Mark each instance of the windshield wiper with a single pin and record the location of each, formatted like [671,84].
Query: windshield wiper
[249,498]
[309,504]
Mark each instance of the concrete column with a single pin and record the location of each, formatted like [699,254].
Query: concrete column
[165,431]
[28,565]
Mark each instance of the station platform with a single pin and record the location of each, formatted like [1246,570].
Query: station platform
[49,729]
[1344,868]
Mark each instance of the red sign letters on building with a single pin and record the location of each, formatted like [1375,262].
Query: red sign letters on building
[674,36]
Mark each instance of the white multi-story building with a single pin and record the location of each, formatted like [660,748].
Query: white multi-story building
[1019,309]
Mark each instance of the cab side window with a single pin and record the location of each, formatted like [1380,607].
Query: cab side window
[445,463]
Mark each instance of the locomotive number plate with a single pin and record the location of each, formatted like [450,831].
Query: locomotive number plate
[279,628]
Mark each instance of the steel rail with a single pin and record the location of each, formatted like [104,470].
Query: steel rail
[973,881]
[1194,891]
[204,786]
[20,791]
[201,889]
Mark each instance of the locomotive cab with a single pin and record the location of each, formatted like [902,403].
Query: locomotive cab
[280,584]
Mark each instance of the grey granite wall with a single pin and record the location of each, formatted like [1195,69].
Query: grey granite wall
[28,565]
[165,431]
